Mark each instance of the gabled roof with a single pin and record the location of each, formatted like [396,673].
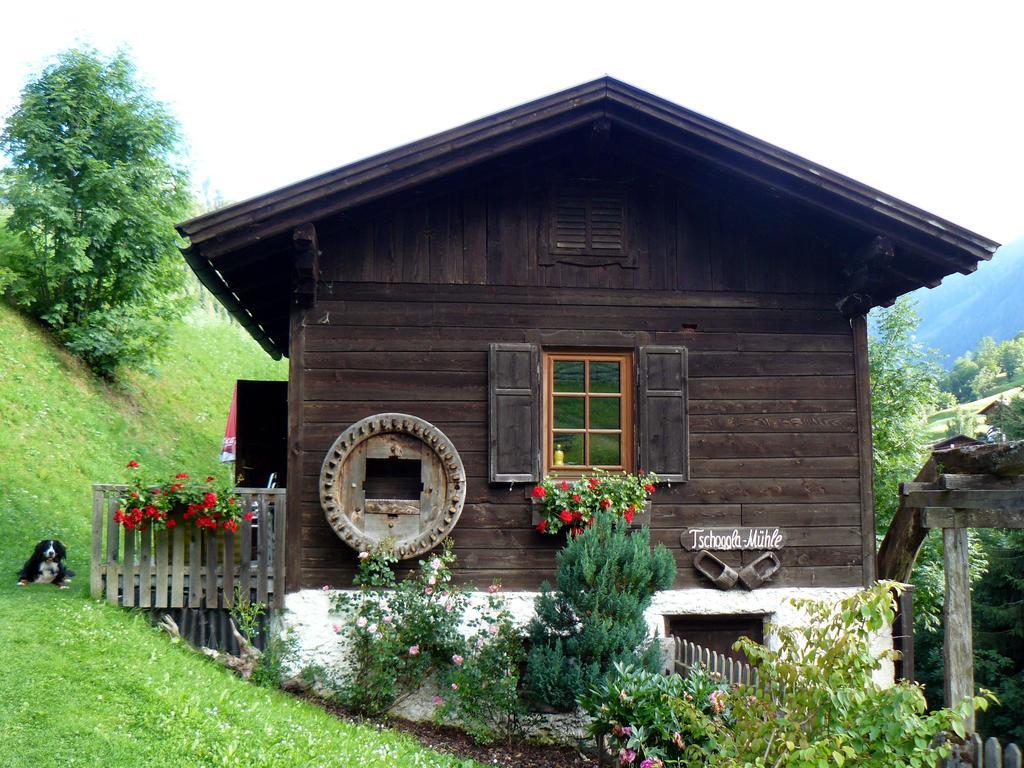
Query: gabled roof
[943,245]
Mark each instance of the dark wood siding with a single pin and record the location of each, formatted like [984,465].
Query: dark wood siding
[413,295]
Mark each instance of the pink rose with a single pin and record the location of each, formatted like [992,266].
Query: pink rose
[438,701]
[372,629]
[361,621]
[414,650]
[457,660]
[455,686]
[387,619]
[325,588]
[364,555]
[336,628]
[492,628]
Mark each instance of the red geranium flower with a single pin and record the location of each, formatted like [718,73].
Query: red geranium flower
[248,515]
[649,487]
[210,499]
[566,515]
[539,492]
[181,476]
[230,525]
[577,531]
[565,486]
[576,498]
[628,514]
[542,526]
[605,503]
[594,482]
[133,464]
[172,523]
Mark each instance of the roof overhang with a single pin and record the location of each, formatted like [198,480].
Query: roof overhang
[232,230]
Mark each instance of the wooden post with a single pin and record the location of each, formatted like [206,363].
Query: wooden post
[958,649]
[95,574]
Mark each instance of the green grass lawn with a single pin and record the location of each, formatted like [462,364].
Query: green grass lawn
[86,684]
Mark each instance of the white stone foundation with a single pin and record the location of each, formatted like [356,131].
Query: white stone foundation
[308,619]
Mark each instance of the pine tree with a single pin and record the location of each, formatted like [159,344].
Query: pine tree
[606,578]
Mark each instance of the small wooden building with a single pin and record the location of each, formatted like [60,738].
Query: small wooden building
[697,294]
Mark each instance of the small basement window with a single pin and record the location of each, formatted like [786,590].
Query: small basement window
[717,633]
[393,478]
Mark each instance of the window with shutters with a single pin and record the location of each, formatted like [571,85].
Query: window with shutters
[587,225]
[588,411]
[562,412]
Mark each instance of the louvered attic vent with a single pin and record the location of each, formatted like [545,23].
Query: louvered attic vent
[588,220]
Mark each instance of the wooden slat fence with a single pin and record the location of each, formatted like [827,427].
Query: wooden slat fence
[733,671]
[989,753]
[199,569]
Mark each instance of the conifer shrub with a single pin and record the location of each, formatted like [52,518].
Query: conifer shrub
[605,577]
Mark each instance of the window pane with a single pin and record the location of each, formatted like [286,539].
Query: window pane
[569,413]
[604,412]
[605,450]
[572,447]
[604,377]
[569,376]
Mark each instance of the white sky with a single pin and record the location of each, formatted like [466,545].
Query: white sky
[924,101]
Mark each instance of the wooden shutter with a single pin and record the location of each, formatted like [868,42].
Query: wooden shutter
[662,406]
[514,413]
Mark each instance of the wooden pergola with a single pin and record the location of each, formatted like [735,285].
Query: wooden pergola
[976,486]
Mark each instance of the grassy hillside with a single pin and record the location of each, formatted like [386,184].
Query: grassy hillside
[938,422]
[63,430]
[83,683]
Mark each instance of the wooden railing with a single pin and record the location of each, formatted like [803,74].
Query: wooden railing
[733,671]
[189,569]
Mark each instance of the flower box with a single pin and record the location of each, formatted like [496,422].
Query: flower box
[641,518]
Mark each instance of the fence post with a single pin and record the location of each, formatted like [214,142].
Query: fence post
[958,648]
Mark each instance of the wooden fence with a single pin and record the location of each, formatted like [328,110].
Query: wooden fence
[984,754]
[198,569]
[733,671]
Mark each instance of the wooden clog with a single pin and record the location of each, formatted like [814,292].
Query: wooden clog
[759,570]
[720,574]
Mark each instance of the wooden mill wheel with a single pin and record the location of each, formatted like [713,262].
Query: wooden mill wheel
[366,479]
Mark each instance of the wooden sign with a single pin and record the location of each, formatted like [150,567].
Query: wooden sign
[731,539]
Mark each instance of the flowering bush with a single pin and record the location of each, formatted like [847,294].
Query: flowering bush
[180,499]
[401,632]
[816,702]
[480,689]
[653,720]
[574,504]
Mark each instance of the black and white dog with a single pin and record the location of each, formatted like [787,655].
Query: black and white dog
[46,566]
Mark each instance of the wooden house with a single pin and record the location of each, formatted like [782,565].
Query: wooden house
[700,292]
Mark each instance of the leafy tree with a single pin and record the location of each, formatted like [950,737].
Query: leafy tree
[1009,418]
[1011,356]
[961,377]
[964,422]
[904,388]
[606,578]
[986,381]
[95,187]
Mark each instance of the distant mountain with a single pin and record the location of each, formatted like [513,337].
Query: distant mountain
[964,308]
